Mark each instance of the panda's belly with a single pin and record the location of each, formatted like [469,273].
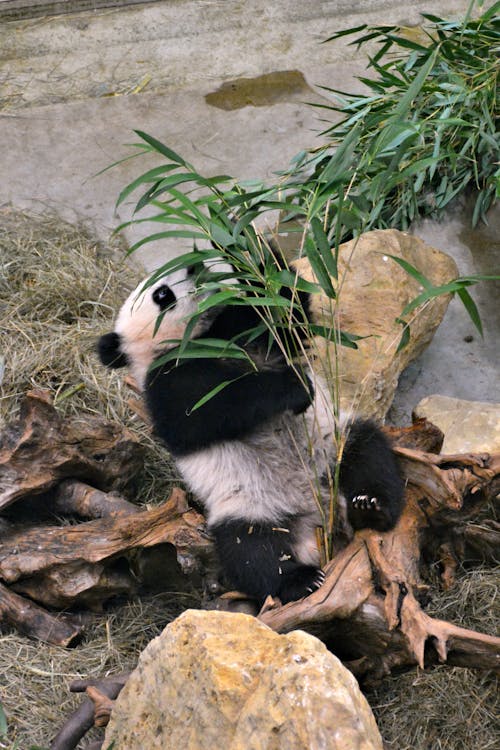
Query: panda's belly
[277,472]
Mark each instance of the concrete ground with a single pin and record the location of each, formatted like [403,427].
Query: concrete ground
[74,87]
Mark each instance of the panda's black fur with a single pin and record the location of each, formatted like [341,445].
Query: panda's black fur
[259,453]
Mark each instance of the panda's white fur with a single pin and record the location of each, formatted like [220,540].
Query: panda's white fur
[266,491]
[138,316]
[277,471]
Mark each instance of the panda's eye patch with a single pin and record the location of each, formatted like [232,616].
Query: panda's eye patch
[164,297]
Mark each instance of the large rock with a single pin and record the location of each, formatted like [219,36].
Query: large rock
[468,426]
[220,680]
[372,292]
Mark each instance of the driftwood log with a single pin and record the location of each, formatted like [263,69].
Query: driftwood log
[369,610]
[42,448]
[370,607]
[51,468]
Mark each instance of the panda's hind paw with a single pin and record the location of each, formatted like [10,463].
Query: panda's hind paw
[365,502]
[300,581]
[318,581]
[371,512]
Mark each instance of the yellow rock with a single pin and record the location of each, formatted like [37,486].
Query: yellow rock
[372,291]
[223,680]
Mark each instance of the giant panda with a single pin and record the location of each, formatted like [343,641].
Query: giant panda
[261,453]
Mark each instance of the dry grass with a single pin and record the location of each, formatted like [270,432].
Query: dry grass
[35,677]
[59,290]
[447,708]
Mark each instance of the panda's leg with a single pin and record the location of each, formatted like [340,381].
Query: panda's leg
[370,479]
[258,559]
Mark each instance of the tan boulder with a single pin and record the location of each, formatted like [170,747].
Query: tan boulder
[468,426]
[372,292]
[224,680]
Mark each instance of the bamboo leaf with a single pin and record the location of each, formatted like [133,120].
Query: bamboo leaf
[179,233]
[471,308]
[162,149]
[324,248]
[405,336]
[150,176]
[214,392]
[411,271]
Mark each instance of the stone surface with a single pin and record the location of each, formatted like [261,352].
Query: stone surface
[220,680]
[468,426]
[372,292]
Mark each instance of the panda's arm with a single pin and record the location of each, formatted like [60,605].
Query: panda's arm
[249,399]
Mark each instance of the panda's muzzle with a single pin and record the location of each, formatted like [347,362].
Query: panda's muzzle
[109,351]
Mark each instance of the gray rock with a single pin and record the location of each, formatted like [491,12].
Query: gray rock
[468,426]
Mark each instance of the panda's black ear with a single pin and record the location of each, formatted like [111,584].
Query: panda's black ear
[109,351]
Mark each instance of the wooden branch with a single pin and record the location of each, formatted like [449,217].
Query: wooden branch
[100,693]
[42,448]
[60,566]
[480,541]
[35,550]
[81,685]
[422,435]
[466,647]
[72,497]
[74,728]
[369,601]
[34,621]
[103,705]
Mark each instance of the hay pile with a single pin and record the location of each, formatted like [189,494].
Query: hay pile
[59,290]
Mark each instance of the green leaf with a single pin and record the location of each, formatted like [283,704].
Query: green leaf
[294,281]
[219,235]
[406,100]
[319,268]
[411,271]
[162,149]
[201,349]
[150,176]
[324,248]
[189,234]
[405,336]
[471,308]
[214,392]
[333,334]
[345,32]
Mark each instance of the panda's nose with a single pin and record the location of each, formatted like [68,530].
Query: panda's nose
[109,351]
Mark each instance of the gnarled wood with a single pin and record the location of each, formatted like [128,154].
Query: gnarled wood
[72,497]
[63,565]
[35,621]
[42,448]
[99,692]
[369,602]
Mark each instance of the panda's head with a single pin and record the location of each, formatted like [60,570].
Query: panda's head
[135,342]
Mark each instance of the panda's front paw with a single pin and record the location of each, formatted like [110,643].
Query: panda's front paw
[300,581]
[370,512]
